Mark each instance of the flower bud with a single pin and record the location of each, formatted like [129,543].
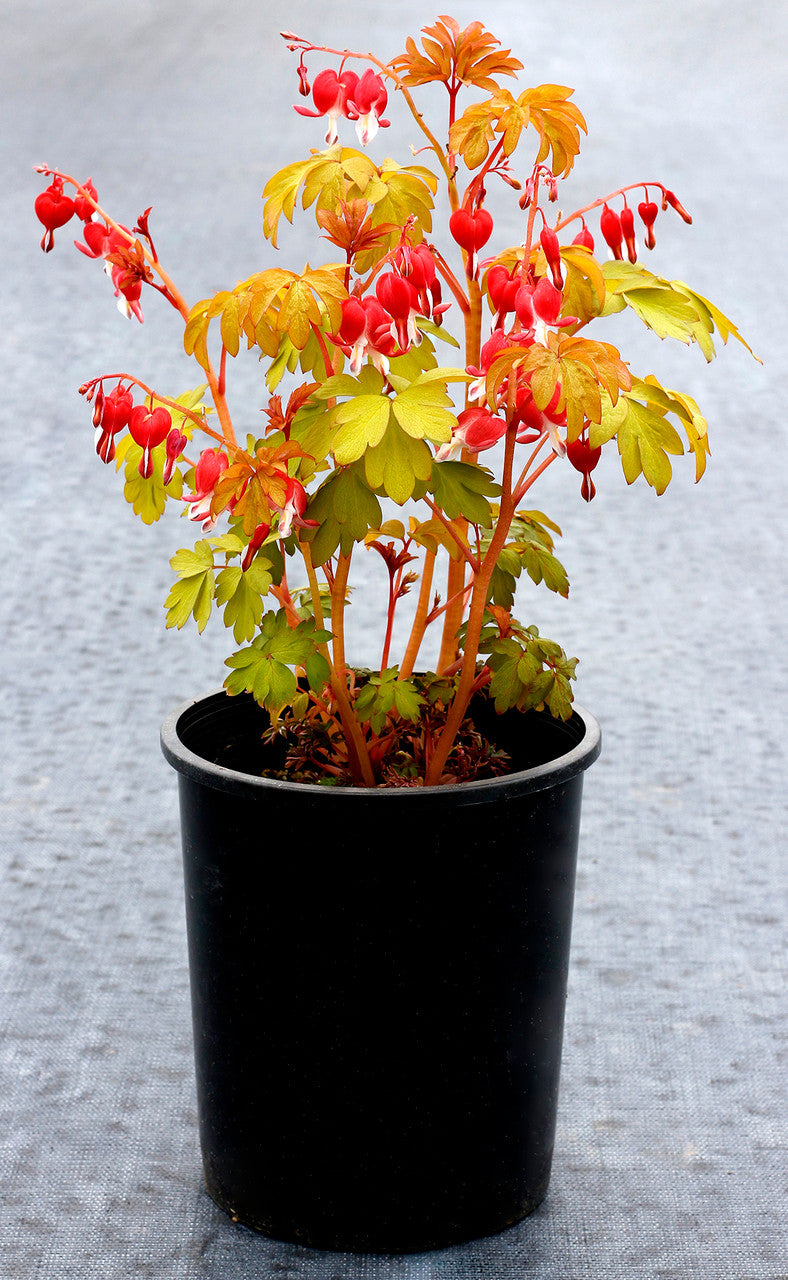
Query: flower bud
[627,220]
[552,251]
[610,226]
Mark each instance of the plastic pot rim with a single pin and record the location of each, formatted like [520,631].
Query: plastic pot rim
[551,773]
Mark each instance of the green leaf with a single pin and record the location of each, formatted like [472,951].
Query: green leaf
[264,668]
[531,672]
[345,510]
[383,695]
[241,594]
[530,547]
[362,424]
[461,490]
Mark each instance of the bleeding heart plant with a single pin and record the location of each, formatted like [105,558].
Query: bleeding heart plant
[373,415]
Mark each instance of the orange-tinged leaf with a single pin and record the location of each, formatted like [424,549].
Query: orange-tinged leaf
[471,55]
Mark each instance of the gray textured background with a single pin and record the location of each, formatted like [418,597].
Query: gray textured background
[670,1156]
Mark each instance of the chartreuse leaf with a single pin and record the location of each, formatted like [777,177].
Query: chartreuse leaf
[669,307]
[264,669]
[397,464]
[645,437]
[345,509]
[462,491]
[192,595]
[530,672]
[383,695]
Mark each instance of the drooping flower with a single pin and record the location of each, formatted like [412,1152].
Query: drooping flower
[53,210]
[366,105]
[583,458]
[176,443]
[476,429]
[330,94]
[366,330]
[401,301]
[148,427]
[471,230]
[610,226]
[210,465]
[292,511]
[82,206]
[111,414]
[627,218]
[648,211]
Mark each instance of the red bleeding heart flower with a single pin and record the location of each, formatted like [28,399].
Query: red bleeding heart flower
[584,238]
[148,427]
[210,465]
[648,211]
[552,251]
[111,414]
[471,231]
[583,458]
[476,429]
[82,206]
[330,94]
[175,445]
[400,299]
[53,210]
[502,289]
[366,105]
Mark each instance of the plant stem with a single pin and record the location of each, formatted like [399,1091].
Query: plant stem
[468,674]
[420,619]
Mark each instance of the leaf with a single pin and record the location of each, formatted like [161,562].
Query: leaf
[530,672]
[530,547]
[470,136]
[383,695]
[192,594]
[644,441]
[558,123]
[241,594]
[471,55]
[146,494]
[345,509]
[397,463]
[461,490]
[264,668]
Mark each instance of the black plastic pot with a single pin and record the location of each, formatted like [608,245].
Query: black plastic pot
[378,983]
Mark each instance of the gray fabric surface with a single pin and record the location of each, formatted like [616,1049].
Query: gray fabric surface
[670,1158]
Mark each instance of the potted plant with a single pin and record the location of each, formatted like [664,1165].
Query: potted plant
[380,863]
